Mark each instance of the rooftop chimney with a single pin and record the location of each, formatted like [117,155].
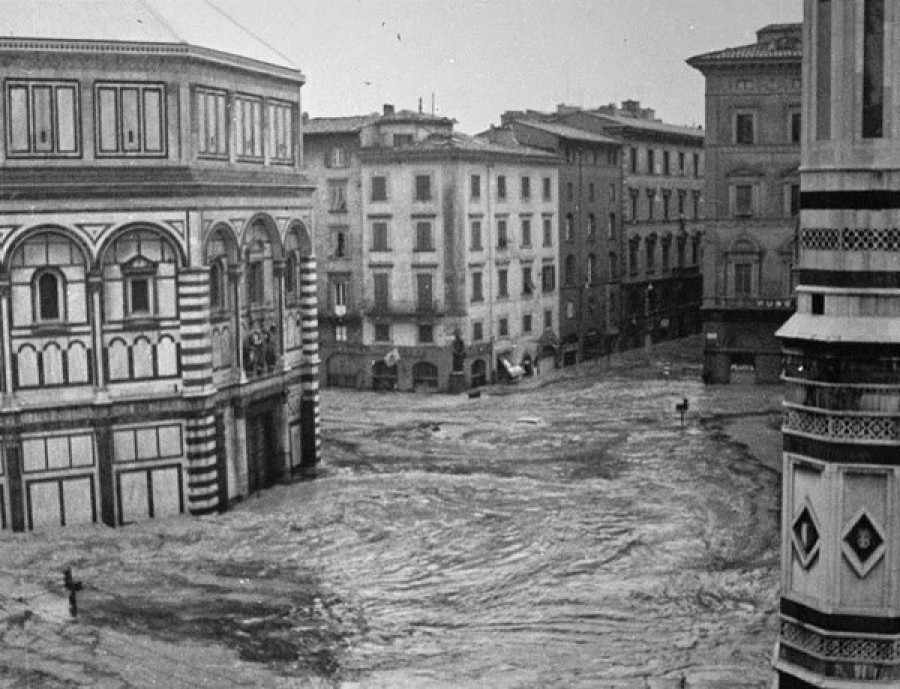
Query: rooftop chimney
[388,109]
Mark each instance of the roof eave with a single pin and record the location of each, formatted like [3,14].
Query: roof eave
[159,49]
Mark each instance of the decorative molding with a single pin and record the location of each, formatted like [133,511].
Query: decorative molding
[94,230]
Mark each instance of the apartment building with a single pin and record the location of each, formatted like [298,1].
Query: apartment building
[753,131]
[439,264]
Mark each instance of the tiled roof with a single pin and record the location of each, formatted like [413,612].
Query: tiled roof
[786,45]
[337,125]
[648,125]
[464,142]
[182,22]
[353,123]
[567,132]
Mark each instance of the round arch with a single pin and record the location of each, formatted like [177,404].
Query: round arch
[164,234]
[263,223]
[224,232]
[301,236]
[59,230]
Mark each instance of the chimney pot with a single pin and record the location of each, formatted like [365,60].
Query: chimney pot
[388,109]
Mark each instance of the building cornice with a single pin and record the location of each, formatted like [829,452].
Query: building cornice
[164,50]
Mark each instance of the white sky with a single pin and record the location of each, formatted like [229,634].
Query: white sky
[481,57]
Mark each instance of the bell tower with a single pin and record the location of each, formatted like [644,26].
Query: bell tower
[840,572]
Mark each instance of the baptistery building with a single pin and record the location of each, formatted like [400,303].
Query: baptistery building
[158,337]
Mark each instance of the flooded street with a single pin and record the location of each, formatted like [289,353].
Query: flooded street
[559,533]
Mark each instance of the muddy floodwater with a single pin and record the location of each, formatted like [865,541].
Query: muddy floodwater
[566,532]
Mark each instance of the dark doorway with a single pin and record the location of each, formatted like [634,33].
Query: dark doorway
[384,377]
[263,465]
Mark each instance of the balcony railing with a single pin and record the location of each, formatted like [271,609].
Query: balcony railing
[404,309]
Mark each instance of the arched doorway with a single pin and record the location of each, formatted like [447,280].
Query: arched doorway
[425,375]
[384,377]
[479,373]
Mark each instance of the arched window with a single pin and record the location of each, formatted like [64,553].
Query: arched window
[217,289]
[290,275]
[49,296]
[570,269]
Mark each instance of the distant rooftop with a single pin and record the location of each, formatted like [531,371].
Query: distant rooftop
[774,43]
[197,23]
[572,133]
[354,123]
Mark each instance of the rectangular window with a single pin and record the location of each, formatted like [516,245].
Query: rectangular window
[382,290]
[502,283]
[248,127]
[795,127]
[477,286]
[340,294]
[402,140]
[475,186]
[634,195]
[548,278]
[503,327]
[379,188]
[281,132]
[527,283]
[666,196]
[424,236]
[340,243]
[477,331]
[873,70]
[426,334]
[42,119]
[526,232]
[743,279]
[592,191]
[380,236]
[570,191]
[340,332]
[337,195]
[382,332]
[634,159]
[424,291]
[526,188]
[475,230]
[548,232]
[696,165]
[212,127]
[682,170]
[682,195]
[611,228]
[651,161]
[650,255]
[548,319]
[548,189]
[696,195]
[526,323]
[423,187]
[666,163]
[256,283]
[651,202]
[501,187]
[502,234]
[743,128]
[743,200]
[337,157]
[823,69]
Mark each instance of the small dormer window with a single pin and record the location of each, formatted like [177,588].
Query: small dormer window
[139,274]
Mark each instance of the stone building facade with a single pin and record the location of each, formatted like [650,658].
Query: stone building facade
[753,128]
[590,230]
[661,206]
[448,261]
[840,593]
[158,334]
